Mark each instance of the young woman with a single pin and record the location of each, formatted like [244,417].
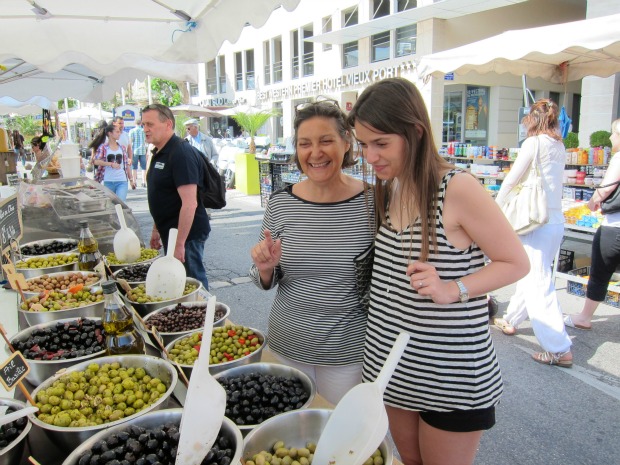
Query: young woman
[112,162]
[535,294]
[429,279]
[312,233]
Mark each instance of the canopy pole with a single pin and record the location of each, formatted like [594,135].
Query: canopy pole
[68,123]
[148,86]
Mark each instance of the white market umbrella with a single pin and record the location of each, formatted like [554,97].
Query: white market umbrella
[87,115]
[195,111]
[241,109]
[557,53]
[33,106]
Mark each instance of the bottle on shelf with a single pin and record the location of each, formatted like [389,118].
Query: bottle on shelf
[88,248]
[122,337]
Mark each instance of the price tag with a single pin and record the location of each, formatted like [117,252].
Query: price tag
[203,294]
[15,279]
[13,370]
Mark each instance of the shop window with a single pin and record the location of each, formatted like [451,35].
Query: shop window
[221,73]
[193,90]
[326,27]
[211,77]
[380,8]
[380,44]
[452,117]
[295,59]
[350,51]
[238,71]
[249,70]
[277,59]
[267,61]
[406,40]
[308,48]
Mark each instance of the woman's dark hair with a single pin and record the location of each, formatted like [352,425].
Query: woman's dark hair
[543,119]
[395,106]
[100,137]
[36,140]
[325,108]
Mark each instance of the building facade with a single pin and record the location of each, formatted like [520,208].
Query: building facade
[336,48]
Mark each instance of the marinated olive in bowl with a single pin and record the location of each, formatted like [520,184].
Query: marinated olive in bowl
[13,435]
[48,246]
[52,301]
[48,261]
[145,255]
[184,317]
[138,294]
[11,431]
[134,273]
[62,281]
[281,454]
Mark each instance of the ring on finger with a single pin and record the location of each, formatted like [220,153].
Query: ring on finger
[421,284]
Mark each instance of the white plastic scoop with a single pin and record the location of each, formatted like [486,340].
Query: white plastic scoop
[359,422]
[16,415]
[126,243]
[166,276]
[205,403]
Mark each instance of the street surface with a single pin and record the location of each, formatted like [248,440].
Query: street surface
[548,415]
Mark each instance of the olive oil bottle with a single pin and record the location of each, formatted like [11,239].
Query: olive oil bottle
[88,247]
[122,337]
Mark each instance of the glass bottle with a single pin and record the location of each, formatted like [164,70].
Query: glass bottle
[90,256]
[122,337]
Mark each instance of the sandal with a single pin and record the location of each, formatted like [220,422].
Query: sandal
[549,358]
[505,327]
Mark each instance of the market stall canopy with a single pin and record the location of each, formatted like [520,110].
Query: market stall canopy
[86,115]
[195,111]
[116,36]
[33,106]
[249,109]
[557,53]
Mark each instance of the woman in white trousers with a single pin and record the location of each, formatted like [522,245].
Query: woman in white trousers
[535,295]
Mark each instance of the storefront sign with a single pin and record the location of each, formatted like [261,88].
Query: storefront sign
[13,370]
[360,78]
[448,77]
[10,222]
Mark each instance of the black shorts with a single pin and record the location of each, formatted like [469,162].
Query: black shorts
[461,421]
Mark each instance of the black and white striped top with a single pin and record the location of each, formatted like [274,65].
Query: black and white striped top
[316,317]
[450,363]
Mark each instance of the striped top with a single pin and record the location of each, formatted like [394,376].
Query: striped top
[450,363]
[316,317]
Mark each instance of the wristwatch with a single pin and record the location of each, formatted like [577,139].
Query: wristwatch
[463,292]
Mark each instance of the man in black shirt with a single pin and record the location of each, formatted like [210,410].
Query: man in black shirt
[175,173]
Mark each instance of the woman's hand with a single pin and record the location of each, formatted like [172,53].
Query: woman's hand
[267,253]
[425,280]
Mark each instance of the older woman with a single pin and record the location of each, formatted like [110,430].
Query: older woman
[312,232]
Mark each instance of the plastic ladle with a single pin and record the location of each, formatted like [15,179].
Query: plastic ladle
[18,414]
[359,422]
[166,276]
[126,242]
[205,403]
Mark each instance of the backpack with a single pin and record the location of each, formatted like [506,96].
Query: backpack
[213,194]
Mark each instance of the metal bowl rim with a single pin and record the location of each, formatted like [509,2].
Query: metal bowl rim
[100,361]
[119,266]
[30,329]
[13,403]
[186,304]
[57,273]
[48,255]
[171,345]
[191,280]
[57,312]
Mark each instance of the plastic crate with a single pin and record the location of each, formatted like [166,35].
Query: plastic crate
[565,261]
[578,288]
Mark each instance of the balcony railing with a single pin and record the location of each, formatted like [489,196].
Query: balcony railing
[309,64]
[222,80]
[295,66]
[211,85]
[249,80]
[267,75]
[239,81]
[277,71]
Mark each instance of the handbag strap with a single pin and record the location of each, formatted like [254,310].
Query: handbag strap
[608,185]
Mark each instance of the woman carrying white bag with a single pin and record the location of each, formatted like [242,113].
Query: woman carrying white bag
[535,294]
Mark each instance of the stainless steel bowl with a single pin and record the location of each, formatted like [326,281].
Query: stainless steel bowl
[296,428]
[131,283]
[71,437]
[36,318]
[32,272]
[43,242]
[220,367]
[40,370]
[28,294]
[146,308]
[169,337]
[119,266]
[12,453]
[158,418]
[274,369]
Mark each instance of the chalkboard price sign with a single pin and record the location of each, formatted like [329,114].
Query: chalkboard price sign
[12,179]
[10,222]
[13,370]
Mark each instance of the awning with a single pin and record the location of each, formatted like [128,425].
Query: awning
[558,53]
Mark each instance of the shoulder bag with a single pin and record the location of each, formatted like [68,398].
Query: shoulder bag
[525,206]
[612,203]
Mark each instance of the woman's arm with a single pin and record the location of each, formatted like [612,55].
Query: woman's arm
[519,168]
[611,175]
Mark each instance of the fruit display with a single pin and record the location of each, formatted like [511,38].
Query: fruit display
[182,318]
[47,248]
[100,394]
[253,398]
[47,261]
[145,255]
[63,281]
[63,340]
[10,431]
[158,445]
[281,455]
[49,301]
[134,274]
[138,294]
[228,343]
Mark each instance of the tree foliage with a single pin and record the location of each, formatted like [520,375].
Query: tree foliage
[28,126]
[166,92]
[600,139]
[571,141]
[252,122]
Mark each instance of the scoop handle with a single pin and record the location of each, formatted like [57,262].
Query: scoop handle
[391,361]
[172,241]
[121,215]
[18,414]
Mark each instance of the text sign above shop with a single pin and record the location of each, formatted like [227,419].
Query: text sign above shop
[13,370]
[10,222]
